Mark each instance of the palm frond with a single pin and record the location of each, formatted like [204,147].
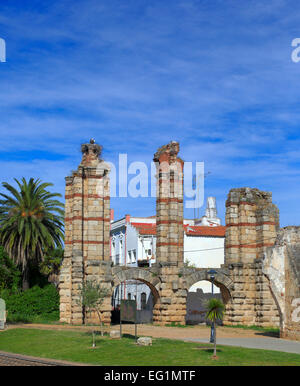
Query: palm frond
[215,309]
[31,220]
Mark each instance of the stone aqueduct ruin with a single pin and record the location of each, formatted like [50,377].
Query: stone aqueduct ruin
[259,280]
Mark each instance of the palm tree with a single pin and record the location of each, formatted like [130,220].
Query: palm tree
[31,222]
[215,310]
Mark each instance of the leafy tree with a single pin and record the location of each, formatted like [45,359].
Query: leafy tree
[215,310]
[92,295]
[50,266]
[31,222]
[9,273]
[189,264]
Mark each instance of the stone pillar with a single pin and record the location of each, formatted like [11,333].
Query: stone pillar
[291,327]
[169,230]
[87,227]
[252,223]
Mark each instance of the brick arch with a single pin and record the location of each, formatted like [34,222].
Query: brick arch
[141,274]
[222,280]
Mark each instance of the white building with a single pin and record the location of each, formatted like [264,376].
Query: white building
[133,243]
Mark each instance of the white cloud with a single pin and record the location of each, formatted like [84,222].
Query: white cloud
[217,77]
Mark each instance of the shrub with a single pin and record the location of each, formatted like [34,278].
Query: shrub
[32,305]
[10,275]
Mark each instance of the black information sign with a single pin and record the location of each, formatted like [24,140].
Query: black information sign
[128,314]
[128,311]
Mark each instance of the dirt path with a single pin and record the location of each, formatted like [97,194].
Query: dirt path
[157,331]
[189,332]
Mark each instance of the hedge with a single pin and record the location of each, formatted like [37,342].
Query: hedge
[34,304]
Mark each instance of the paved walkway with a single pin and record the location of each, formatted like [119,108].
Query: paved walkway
[275,344]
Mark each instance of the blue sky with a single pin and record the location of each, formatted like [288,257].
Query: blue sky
[217,76]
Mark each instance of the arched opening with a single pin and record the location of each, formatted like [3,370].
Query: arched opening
[144,293]
[200,289]
[197,297]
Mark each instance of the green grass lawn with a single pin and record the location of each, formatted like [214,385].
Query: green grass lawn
[76,346]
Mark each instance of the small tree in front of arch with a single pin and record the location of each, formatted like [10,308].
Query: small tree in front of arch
[92,295]
[215,310]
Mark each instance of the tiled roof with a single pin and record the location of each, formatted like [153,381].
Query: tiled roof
[144,228]
[218,231]
[190,230]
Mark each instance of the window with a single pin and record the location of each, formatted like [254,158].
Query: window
[143,300]
[129,257]
[134,256]
[121,255]
[117,259]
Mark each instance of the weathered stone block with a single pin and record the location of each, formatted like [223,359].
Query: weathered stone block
[115,334]
[144,341]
